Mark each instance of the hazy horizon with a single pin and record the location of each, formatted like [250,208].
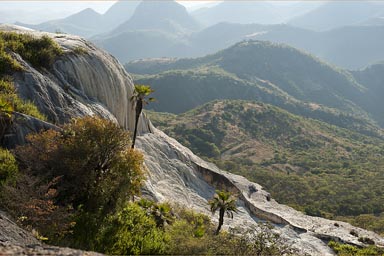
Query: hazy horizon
[34,12]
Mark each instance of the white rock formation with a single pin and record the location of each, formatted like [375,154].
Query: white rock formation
[94,83]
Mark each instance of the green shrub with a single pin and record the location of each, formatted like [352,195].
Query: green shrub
[97,168]
[80,50]
[347,250]
[73,178]
[40,52]
[8,167]
[8,94]
[132,231]
[7,63]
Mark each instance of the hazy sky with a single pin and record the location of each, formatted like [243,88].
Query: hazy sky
[71,5]
[40,11]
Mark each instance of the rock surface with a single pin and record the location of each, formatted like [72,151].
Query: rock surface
[16,241]
[94,83]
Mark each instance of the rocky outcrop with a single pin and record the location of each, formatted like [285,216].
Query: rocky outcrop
[11,234]
[94,83]
[89,82]
[23,125]
[16,241]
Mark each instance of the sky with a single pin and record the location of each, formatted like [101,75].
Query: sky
[30,11]
[70,5]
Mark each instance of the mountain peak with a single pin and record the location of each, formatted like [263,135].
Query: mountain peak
[121,11]
[86,13]
[167,16]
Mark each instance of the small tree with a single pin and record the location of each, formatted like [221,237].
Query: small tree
[139,97]
[95,168]
[225,202]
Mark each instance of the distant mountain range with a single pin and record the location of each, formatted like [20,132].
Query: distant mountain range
[246,12]
[272,73]
[336,14]
[351,33]
[88,22]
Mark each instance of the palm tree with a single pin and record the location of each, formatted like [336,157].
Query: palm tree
[225,202]
[162,213]
[139,97]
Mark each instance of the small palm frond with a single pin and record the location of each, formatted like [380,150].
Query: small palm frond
[143,90]
[223,200]
[214,205]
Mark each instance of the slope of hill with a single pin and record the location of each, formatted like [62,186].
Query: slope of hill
[284,74]
[372,77]
[317,168]
[335,14]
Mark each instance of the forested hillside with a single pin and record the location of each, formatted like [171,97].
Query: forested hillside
[315,167]
[272,73]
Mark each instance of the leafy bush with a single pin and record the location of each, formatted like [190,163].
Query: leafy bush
[80,50]
[184,241]
[8,167]
[347,250]
[71,179]
[8,95]
[132,231]
[96,168]
[7,63]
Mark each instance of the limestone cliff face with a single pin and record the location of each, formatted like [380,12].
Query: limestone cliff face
[94,83]
[88,83]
